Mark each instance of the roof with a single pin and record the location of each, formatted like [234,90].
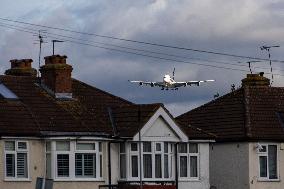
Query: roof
[249,113]
[36,111]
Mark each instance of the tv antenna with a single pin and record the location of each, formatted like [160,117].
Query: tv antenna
[252,61]
[40,41]
[267,48]
[53,42]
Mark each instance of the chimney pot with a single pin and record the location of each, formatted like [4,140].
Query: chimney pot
[256,80]
[22,67]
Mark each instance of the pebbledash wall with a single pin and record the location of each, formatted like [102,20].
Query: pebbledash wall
[36,164]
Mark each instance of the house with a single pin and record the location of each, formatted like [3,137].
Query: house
[249,128]
[79,136]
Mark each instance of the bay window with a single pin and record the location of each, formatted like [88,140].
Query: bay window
[16,160]
[268,168]
[188,159]
[74,160]
[156,160]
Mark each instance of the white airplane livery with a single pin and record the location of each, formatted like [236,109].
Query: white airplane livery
[170,83]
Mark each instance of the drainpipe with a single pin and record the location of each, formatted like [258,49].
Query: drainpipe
[176,164]
[140,148]
[109,166]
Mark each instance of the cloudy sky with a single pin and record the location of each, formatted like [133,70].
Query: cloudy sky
[227,26]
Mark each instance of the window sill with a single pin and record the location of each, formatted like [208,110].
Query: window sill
[268,180]
[18,180]
[78,180]
[189,179]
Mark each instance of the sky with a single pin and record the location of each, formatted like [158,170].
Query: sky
[226,26]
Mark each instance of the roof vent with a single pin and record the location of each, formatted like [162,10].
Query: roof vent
[256,80]
[22,67]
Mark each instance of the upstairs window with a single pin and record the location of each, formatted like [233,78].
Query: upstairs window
[268,166]
[16,160]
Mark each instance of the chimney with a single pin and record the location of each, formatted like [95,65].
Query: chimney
[22,67]
[56,76]
[256,80]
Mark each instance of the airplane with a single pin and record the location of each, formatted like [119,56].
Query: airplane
[170,83]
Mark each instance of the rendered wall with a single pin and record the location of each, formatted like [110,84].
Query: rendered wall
[229,165]
[36,168]
[254,169]
[203,182]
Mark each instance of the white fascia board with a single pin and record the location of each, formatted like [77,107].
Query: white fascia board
[78,138]
[24,138]
[161,112]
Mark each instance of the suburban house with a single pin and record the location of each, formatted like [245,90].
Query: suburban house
[79,136]
[249,128]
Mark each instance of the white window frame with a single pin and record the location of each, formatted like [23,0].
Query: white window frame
[72,175]
[15,152]
[188,155]
[259,154]
[153,152]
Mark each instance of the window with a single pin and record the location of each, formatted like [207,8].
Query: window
[16,159]
[122,163]
[188,160]
[74,160]
[268,168]
[156,160]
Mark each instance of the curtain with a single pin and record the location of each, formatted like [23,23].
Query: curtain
[147,165]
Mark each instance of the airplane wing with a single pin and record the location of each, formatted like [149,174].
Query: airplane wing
[149,83]
[190,83]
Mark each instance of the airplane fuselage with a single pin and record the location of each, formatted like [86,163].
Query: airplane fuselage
[169,82]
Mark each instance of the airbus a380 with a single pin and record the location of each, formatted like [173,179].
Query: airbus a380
[170,83]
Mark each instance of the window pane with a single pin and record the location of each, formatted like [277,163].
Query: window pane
[48,146]
[48,165]
[193,148]
[122,166]
[22,145]
[100,146]
[101,166]
[182,148]
[134,165]
[79,165]
[62,146]
[147,165]
[183,166]
[9,145]
[89,165]
[158,147]
[134,147]
[85,146]
[166,166]
[272,161]
[263,166]
[158,166]
[147,147]
[10,165]
[22,170]
[63,165]
[263,149]
[166,148]
[122,147]
[193,166]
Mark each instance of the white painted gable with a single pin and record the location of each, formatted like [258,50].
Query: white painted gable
[161,127]
[160,130]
